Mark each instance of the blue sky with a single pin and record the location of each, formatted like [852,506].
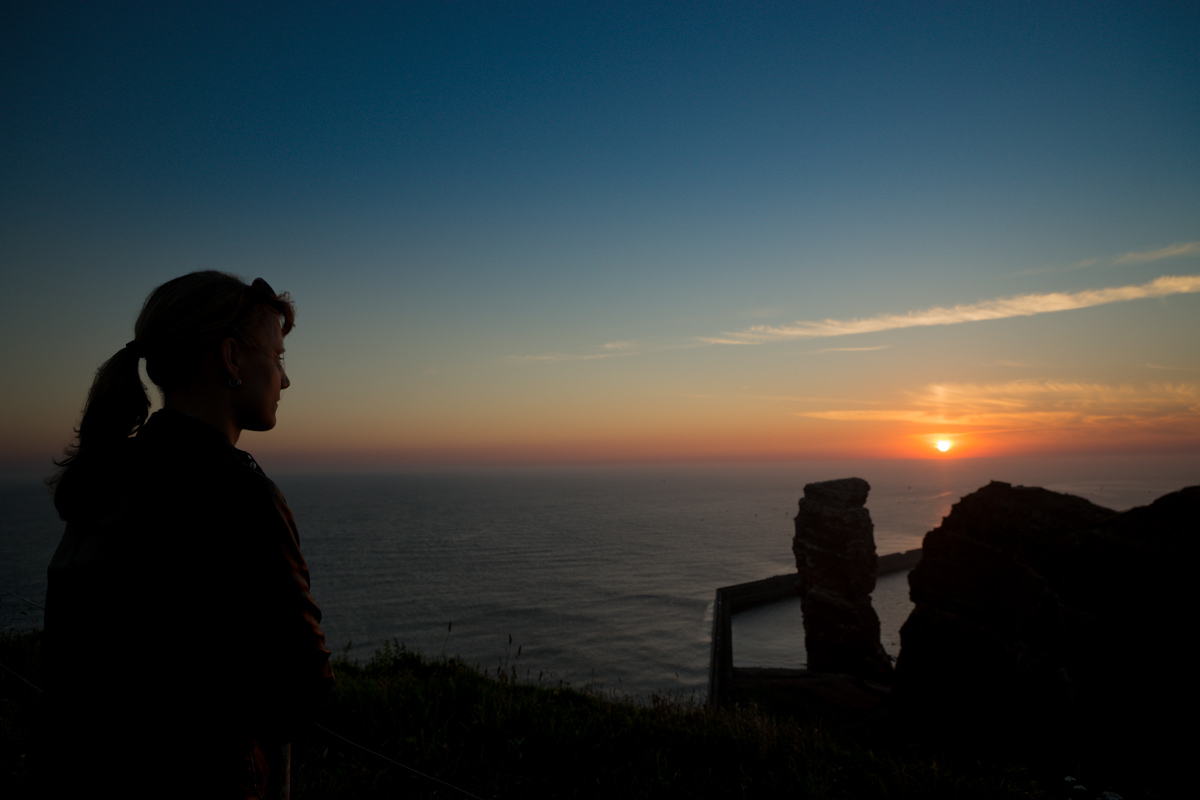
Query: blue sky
[513,227]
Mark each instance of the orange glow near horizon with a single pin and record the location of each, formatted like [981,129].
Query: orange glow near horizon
[739,435]
[296,445]
[595,429]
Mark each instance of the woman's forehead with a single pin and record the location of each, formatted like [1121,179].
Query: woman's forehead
[268,327]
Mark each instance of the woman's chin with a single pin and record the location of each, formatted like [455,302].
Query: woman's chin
[265,423]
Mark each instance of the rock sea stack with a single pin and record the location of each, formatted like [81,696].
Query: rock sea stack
[834,547]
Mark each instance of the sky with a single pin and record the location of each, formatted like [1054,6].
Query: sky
[623,232]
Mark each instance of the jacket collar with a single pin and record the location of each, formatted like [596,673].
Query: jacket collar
[179,425]
[178,429]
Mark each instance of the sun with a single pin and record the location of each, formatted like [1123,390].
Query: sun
[944,444]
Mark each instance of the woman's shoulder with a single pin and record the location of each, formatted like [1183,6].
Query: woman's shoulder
[180,454]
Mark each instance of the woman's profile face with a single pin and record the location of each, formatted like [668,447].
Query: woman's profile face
[263,377]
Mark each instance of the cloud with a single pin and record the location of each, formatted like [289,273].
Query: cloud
[550,358]
[1003,308]
[1175,250]
[1025,305]
[783,398]
[849,349]
[1185,249]
[1034,403]
[729,338]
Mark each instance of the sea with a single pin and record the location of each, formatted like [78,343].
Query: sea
[599,577]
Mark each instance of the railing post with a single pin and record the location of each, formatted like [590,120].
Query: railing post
[720,671]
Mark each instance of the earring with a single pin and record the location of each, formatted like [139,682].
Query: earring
[235,382]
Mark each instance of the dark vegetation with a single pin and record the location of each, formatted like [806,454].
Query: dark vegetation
[496,736]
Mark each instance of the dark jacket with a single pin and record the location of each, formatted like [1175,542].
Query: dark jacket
[179,623]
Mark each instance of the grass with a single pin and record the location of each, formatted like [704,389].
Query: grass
[493,735]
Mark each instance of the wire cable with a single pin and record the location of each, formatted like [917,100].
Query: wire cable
[34,686]
[322,727]
[26,599]
[397,763]
[22,677]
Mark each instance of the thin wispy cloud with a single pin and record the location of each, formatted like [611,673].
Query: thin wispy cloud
[732,338]
[1026,305]
[624,347]
[610,350]
[1174,251]
[850,349]
[783,398]
[1145,257]
[551,358]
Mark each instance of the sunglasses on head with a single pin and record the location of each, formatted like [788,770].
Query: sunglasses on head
[261,286]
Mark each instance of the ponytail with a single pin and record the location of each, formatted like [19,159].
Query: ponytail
[117,405]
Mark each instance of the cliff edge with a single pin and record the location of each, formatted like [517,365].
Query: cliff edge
[1043,615]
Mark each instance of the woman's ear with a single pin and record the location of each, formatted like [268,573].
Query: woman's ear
[230,357]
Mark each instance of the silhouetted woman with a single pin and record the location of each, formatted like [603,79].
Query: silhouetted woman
[183,649]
